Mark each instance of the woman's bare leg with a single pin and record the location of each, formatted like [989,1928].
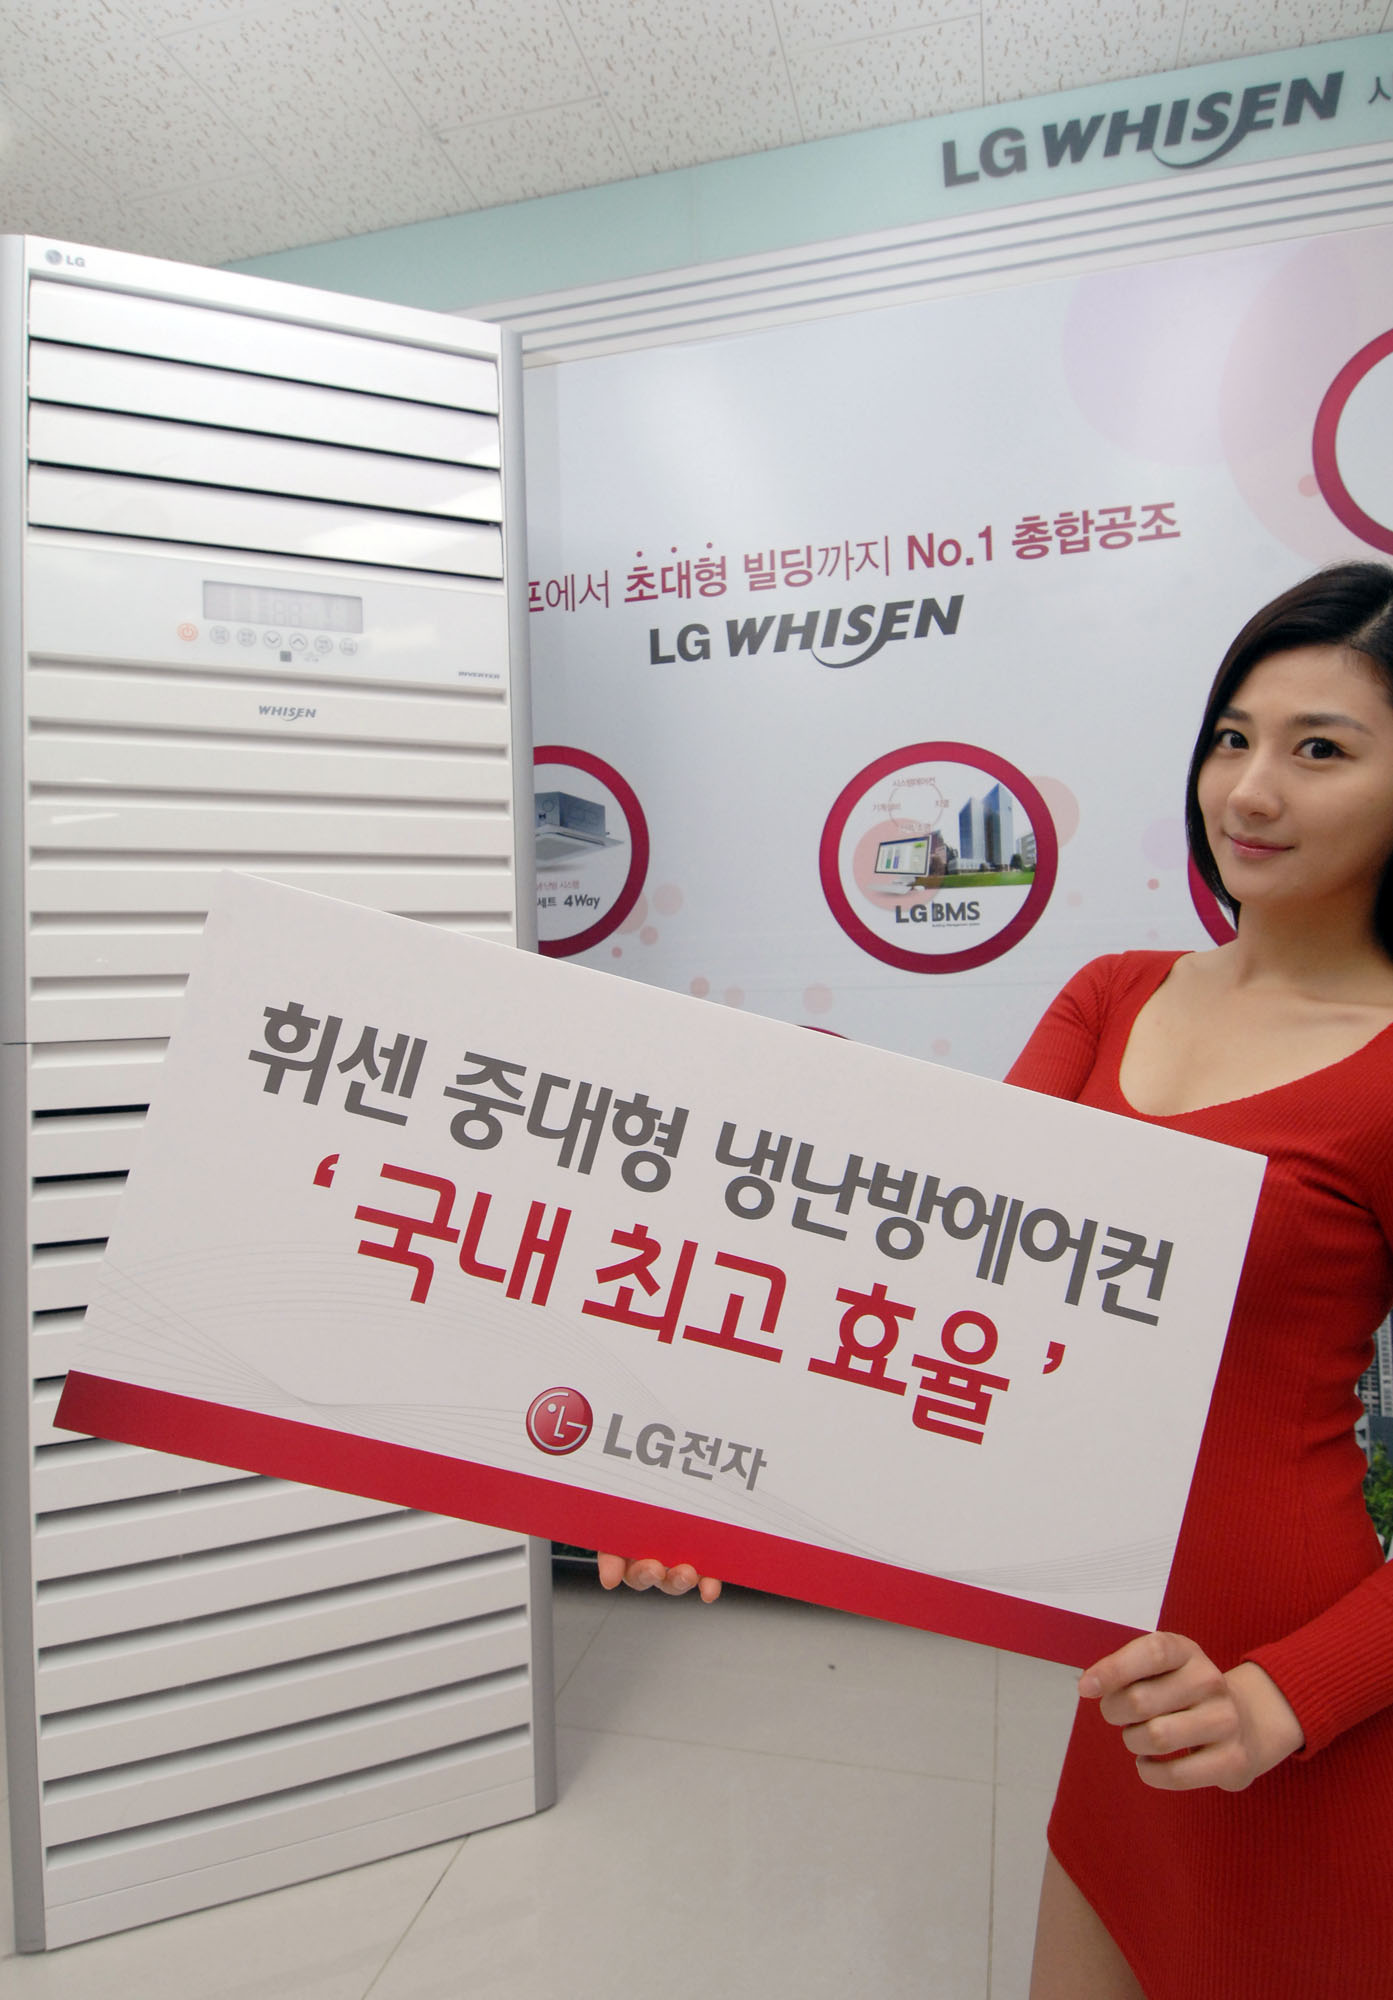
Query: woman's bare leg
[1075,1959]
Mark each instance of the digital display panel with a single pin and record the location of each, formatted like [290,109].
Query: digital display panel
[902,857]
[255,604]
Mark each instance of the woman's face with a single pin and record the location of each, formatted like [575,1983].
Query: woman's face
[1297,789]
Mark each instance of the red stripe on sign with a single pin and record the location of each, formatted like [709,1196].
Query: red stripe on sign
[523,1504]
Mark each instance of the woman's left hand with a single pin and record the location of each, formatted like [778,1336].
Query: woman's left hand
[1187,1724]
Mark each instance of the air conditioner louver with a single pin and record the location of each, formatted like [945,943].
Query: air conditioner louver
[173,423]
[236,1681]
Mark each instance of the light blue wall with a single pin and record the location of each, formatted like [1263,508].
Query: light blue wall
[865,181]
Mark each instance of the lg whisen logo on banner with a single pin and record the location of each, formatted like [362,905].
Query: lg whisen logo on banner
[866,628]
[1214,125]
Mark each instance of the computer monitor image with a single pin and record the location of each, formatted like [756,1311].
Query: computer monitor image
[900,863]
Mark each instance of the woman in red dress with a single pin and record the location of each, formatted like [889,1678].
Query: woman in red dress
[1222,1828]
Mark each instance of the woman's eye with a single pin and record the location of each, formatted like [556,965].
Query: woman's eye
[1321,749]
[1229,739]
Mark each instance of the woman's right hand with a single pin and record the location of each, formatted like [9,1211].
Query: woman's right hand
[646,1573]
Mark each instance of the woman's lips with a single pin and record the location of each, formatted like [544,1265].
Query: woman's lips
[1254,850]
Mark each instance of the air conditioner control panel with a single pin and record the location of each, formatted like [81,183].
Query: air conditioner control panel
[249,615]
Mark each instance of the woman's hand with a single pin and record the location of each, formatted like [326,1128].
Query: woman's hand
[1187,1724]
[644,1572]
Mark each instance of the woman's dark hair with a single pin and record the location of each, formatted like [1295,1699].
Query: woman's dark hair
[1350,605]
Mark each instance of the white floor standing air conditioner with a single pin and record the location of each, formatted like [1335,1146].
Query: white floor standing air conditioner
[260,559]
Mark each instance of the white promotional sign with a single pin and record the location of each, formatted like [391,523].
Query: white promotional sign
[429,1219]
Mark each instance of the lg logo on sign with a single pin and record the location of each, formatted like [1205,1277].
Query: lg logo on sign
[559,1420]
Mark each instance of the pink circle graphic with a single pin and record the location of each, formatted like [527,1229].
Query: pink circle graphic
[1209,909]
[1338,497]
[559,1421]
[1011,933]
[613,918]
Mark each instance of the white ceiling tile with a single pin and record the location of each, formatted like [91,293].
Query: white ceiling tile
[306,86]
[163,17]
[275,67]
[376,180]
[44,190]
[478,61]
[888,78]
[64,21]
[804,21]
[119,101]
[539,152]
[688,82]
[1215,29]
[1031,47]
[219,221]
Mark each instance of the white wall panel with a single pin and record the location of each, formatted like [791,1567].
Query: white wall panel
[1218,209]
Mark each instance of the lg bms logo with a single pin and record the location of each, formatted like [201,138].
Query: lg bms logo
[939,913]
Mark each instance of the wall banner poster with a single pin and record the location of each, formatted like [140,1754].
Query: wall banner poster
[890,631]
[424,1218]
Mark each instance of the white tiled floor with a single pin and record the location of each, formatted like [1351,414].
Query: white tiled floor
[759,1800]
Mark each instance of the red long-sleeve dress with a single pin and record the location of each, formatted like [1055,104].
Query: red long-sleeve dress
[1283,1891]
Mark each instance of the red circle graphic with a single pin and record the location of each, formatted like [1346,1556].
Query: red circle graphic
[1329,478]
[596,767]
[1030,911]
[559,1421]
